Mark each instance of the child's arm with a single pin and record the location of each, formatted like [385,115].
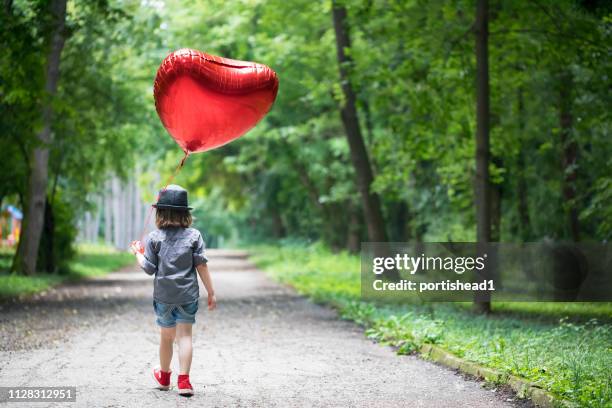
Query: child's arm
[138,250]
[140,259]
[207,281]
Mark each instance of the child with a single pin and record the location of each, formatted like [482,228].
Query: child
[173,253]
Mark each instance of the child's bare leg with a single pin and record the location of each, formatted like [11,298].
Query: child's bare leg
[165,347]
[183,339]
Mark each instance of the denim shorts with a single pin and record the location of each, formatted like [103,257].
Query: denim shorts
[170,315]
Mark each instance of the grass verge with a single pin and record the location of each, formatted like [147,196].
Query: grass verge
[91,260]
[563,348]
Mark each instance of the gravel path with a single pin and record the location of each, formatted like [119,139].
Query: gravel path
[265,346]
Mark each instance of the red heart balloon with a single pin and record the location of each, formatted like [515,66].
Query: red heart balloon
[205,101]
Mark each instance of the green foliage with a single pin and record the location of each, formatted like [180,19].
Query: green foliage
[100,112]
[291,176]
[414,77]
[12,285]
[290,179]
[319,283]
[563,348]
[96,260]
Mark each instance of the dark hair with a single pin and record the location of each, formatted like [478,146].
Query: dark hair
[166,218]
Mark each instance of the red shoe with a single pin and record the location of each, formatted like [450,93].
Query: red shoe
[162,378]
[184,386]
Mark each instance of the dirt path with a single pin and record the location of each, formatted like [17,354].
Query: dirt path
[264,346]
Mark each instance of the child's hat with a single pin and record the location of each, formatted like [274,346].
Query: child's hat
[172,197]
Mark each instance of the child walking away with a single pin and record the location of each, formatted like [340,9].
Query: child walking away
[173,253]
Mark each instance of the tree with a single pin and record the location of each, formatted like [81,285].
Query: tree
[27,255]
[482,182]
[359,155]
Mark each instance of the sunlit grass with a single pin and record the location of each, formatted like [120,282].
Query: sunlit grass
[96,260]
[12,285]
[565,348]
[558,310]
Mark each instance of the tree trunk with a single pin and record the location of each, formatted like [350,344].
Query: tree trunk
[129,209]
[482,303]
[122,216]
[8,7]
[37,184]
[47,250]
[359,155]
[108,219]
[96,220]
[570,154]
[137,208]
[116,213]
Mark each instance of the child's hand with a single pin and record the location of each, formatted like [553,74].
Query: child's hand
[136,247]
[212,302]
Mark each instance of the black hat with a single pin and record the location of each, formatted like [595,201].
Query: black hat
[172,197]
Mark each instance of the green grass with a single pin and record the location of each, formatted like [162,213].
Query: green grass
[564,348]
[90,261]
[96,260]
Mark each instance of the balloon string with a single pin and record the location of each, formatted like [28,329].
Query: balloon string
[168,181]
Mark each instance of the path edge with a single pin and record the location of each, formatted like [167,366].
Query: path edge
[523,388]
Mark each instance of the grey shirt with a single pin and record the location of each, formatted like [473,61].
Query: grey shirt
[171,254]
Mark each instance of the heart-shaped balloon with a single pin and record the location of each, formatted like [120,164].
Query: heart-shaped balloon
[205,101]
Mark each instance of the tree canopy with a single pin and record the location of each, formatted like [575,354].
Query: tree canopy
[413,72]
